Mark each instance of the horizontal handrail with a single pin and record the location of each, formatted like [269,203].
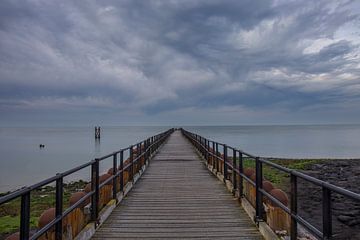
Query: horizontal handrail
[144,150]
[209,149]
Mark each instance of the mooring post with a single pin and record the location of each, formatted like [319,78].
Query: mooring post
[97,132]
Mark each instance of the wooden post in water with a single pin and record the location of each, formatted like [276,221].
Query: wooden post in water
[97,132]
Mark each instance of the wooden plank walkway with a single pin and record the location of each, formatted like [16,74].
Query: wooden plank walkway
[177,198]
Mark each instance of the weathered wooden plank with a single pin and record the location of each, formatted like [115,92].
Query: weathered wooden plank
[177,198]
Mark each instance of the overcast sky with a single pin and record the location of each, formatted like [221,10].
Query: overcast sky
[179,62]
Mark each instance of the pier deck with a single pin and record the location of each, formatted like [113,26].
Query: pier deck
[177,198]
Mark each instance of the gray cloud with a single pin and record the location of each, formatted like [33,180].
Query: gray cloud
[159,59]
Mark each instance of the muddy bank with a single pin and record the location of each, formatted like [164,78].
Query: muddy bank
[346,212]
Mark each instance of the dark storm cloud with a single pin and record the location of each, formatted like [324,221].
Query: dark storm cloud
[157,57]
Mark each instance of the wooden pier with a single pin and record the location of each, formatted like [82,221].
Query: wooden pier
[177,185]
[178,198]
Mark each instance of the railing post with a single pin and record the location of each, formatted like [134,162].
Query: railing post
[59,207]
[225,165]
[25,216]
[216,159]
[95,189]
[114,173]
[327,218]
[197,141]
[234,182]
[203,147]
[149,151]
[155,144]
[138,154]
[146,151]
[241,171]
[131,170]
[293,206]
[151,142]
[259,204]
[213,156]
[206,151]
[122,171]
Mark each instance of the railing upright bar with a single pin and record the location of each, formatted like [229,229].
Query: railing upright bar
[327,212]
[151,145]
[207,150]
[225,173]
[25,216]
[200,149]
[204,147]
[115,178]
[122,171]
[95,189]
[213,156]
[200,146]
[293,207]
[146,151]
[131,155]
[216,158]
[259,185]
[197,142]
[138,156]
[59,208]
[241,171]
[234,182]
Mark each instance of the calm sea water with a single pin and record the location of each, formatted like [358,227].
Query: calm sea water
[22,162]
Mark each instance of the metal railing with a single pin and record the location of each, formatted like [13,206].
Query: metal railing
[144,149]
[210,149]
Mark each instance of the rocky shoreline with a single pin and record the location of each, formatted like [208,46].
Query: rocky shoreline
[346,212]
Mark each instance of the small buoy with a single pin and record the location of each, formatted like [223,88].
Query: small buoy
[41,145]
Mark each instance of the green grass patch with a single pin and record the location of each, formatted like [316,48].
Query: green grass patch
[10,224]
[40,200]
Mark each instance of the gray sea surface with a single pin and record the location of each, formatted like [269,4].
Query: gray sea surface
[23,163]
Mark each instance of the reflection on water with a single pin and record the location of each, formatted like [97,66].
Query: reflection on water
[97,148]
[22,162]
